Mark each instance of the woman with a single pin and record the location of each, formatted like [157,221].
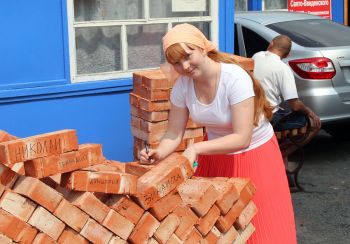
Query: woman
[220,95]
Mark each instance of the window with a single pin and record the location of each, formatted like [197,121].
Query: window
[110,39]
[274,4]
[241,5]
[253,42]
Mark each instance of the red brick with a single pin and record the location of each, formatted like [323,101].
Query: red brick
[152,241]
[42,238]
[174,240]
[107,166]
[188,220]
[147,126]
[95,232]
[200,195]
[7,178]
[5,240]
[229,236]
[46,222]
[18,168]
[161,180]
[166,228]
[90,204]
[118,224]
[38,146]
[243,235]
[153,79]
[135,168]
[106,182]
[152,94]
[5,136]
[148,105]
[246,216]
[117,240]
[165,205]
[38,191]
[70,236]
[17,205]
[87,154]
[126,207]
[149,116]
[16,229]
[144,229]
[206,223]
[194,237]
[71,215]
[212,237]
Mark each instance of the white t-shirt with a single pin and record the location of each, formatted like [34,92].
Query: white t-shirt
[235,85]
[276,78]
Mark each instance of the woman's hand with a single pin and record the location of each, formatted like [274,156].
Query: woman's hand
[190,153]
[149,158]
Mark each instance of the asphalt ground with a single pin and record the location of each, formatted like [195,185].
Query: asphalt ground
[322,210]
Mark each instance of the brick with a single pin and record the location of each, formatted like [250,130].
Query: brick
[5,136]
[241,183]
[42,145]
[153,79]
[46,222]
[144,229]
[135,168]
[244,235]
[70,236]
[7,178]
[188,220]
[5,240]
[95,232]
[106,182]
[108,165]
[246,216]
[117,240]
[126,207]
[166,228]
[87,155]
[118,224]
[152,241]
[147,126]
[148,105]
[90,204]
[212,237]
[42,238]
[194,237]
[229,236]
[162,179]
[18,168]
[152,94]
[38,191]
[206,223]
[71,215]
[17,205]
[156,116]
[174,240]
[200,195]
[166,205]
[16,229]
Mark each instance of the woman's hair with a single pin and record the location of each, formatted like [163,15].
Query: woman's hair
[261,106]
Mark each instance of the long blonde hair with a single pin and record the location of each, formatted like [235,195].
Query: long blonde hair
[175,53]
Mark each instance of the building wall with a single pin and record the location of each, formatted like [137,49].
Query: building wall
[36,94]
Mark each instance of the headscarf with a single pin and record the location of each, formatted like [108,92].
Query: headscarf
[185,33]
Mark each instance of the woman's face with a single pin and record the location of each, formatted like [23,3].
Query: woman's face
[191,63]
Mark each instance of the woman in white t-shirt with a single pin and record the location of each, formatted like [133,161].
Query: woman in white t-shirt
[217,93]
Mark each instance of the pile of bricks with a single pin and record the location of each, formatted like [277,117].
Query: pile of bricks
[69,193]
[149,107]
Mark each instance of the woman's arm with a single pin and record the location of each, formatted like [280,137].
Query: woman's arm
[242,124]
[177,121]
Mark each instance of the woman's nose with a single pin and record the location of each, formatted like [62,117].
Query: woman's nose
[185,65]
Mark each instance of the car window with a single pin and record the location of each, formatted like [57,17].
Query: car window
[253,42]
[236,47]
[314,33]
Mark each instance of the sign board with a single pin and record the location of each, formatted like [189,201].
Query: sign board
[317,7]
[188,5]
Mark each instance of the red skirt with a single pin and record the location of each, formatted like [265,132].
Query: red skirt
[274,221]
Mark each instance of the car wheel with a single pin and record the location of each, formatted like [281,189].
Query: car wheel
[339,132]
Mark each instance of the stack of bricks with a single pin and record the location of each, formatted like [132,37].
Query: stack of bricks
[69,193]
[149,107]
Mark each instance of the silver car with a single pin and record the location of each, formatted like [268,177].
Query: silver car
[320,59]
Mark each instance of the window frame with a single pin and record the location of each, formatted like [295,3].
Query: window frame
[212,19]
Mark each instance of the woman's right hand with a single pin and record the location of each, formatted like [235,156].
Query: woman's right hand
[149,158]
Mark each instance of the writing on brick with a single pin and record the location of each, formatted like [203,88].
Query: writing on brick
[104,181]
[76,160]
[162,189]
[32,149]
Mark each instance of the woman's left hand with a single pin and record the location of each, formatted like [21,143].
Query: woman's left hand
[190,153]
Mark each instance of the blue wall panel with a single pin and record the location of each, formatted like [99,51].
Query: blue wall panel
[33,51]
[338,11]
[101,118]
